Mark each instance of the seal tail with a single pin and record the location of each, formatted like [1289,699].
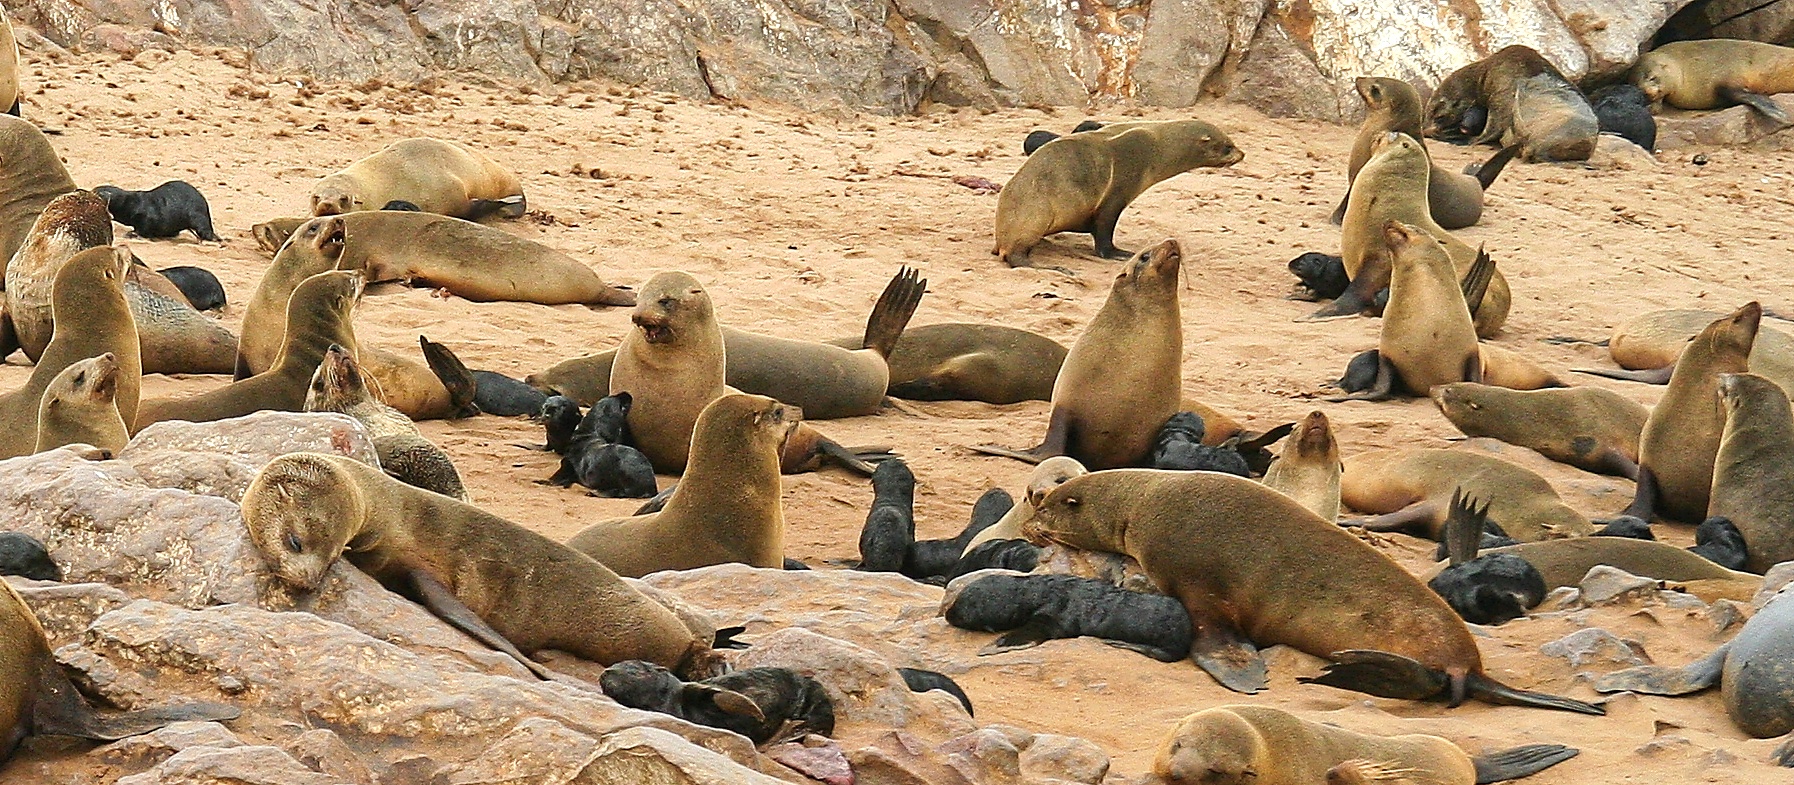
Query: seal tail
[893,311]
[1491,691]
[461,385]
[1520,762]
[1491,168]
[1650,376]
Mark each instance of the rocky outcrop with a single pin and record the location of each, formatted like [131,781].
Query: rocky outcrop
[1286,57]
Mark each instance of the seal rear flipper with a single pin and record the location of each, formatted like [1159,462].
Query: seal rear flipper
[1699,675]
[613,295]
[1382,674]
[1226,655]
[1464,527]
[1156,652]
[513,206]
[926,388]
[893,311]
[442,602]
[461,385]
[60,711]
[1784,755]
[1650,376]
[1612,462]
[1519,762]
[1475,282]
[1762,103]
[1491,168]
[1491,691]
[242,370]
[1053,445]
[1035,632]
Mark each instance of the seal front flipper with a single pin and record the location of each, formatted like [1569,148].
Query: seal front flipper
[1644,497]
[58,710]
[1058,435]
[14,111]
[1762,103]
[1650,376]
[513,206]
[893,311]
[442,602]
[1226,654]
[1520,762]
[460,382]
[1701,674]
[1491,168]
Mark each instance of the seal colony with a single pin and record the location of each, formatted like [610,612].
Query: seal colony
[1199,562]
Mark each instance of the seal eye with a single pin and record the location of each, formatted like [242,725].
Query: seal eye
[293,543]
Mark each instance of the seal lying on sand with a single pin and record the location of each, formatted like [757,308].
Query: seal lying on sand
[436,176]
[1718,72]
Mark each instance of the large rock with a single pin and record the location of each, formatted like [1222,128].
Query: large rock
[220,458]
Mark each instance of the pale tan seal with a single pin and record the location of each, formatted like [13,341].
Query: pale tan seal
[1411,490]
[1455,200]
[1753,472]
[1591,428]
[1117,388]
[1049,474]
[725,509]
[89,299]
[1082,182]
[1648,345]
[9,68]
[1718,72]
[507,586]
[339,386]
[1290,578]
[81,407]
[31,174]
[437,176]
[1527,102]
[1309,468]
[1566,562]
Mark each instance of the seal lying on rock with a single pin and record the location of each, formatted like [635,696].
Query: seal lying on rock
[338,386]
[763,704]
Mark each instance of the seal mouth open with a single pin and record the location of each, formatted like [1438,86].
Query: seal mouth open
[654,328]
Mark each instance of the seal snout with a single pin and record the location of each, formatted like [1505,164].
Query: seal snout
[104,378]
[656,327]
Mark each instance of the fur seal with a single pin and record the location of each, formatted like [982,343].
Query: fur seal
[317,317]
[69,224]
[338,386]
[1083,184]
[1115,391]
[931,560]
[1648,345]
[596,453]
[1753,472]
[1455,200]
[1565,562]
[1411,489]
[437,176]
[726,508]
[1033,609]
[271,235]
[1260,745]
[1179,446]
[890,529]
[1591,428]
[1751,670]
[88,296]
[673,366]
[1037,139]
[506,586]
[1049,474]
[198,285]
[1680,441]
[37,698]
[1625,110]
[164,211]
[1527,100]
[1291,578]
[22,555]
[1309,468]
[9,67]
[1392,187]
[919,680]
[763,704]
[81,407]
[31,174]
[1718,72]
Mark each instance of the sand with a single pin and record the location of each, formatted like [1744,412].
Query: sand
[795,221]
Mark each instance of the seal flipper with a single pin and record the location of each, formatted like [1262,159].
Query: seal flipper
[1701,674]
[1491,168]
[1360,296]
[513,206]
[1058,435]
[1402,519]
[1464,527]
[1225,654]
[893,311]
[1614,463]
[14,111]
[1644,498]
[1649,376]
[1338,216]
[1519,762]
[58,710]
[1491,691]
[242,370]
[1381,674]
[442,602]
[1475,282]
[1764,105]
[1035,632]
[461,385]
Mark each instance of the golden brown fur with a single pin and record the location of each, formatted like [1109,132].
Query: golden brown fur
[1590,428]
[339,386]
[31,176]
[1714,73]
[1260,745]
[437,176]
[1454,199]
[1753,472]
[81,407]
[1309,468]
[1681,439]
[1413,488]
[88,299]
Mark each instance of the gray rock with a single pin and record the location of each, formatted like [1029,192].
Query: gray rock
[1732,127]
[1067,758]
[650,756]
[1774,580]
[536,752]
[163,743]
[221,458]
[240,765]
[1595,645]
[322,750]
[1604,585]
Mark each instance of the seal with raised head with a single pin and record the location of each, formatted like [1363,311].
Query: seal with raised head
[1082,182]
[1680,442]
[81,407]
[725,509]
[317,317]
[1455,200]
[1392,186]
[1115,390]
[1525,101]
[1049,474]
[338,386]
[508,587]
[1291,578]
[1753,472]
[1591,428]
[163,211]
[1261,745]
[1309,468]
[437,176]
[88,296]
[1411,490]
[31,174]
[37,698]
[1718,72]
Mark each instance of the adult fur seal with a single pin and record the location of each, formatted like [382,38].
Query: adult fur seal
[506,586]
[1565,562]
[1591,428]
[37,698]
[1527,101]
[1309,468]
[9,67]
[89,299]
[1412,490]
[1752,671]
[339,386]
[31,174]
[725,509]
[1082,183]
[1680,442]
[437,176]
[164,211]
[1392,187]
[1455,200]
[1115,391]
[477,262]
[1718,72]
[317,317]
[81,407]
[1291,578]
[1753,472]
[1649,344]
[673,365]
[1260,745]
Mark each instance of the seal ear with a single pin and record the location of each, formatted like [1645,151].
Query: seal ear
[728,700]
